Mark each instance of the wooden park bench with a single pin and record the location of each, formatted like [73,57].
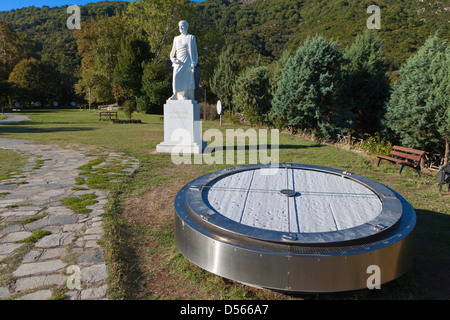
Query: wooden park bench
[404,157]
[107,115]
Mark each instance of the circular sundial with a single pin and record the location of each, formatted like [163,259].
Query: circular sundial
[291,227]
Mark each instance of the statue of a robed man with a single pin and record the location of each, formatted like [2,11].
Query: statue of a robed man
[182,126]
[184,59]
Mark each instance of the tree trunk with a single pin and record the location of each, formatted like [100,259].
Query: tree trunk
[166,32]
[447,150]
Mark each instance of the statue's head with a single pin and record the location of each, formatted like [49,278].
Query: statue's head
[183,25]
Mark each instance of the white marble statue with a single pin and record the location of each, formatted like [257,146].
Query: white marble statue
[184,59]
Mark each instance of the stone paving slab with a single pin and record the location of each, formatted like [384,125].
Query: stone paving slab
[71,234]
[38,295]
[28,269]
[27,283]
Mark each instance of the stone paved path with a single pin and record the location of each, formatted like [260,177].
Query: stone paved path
[68,260]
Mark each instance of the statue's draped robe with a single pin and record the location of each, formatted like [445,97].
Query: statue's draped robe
[184,49]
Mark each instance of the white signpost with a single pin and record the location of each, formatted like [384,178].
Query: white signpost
[219,110]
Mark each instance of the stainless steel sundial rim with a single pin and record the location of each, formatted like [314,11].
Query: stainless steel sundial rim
[294,261]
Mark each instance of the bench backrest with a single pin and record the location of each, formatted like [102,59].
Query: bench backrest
[408,153]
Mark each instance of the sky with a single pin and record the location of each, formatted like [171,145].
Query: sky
[6,5]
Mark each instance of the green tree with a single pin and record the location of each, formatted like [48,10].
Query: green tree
[368,82]
[209,45]
[13,48]
[224,77]
[441,96]
[252,94]
[35,81]
[158,19]
[156,87]
[62,63]
[277,71]
[8,50]
[310,93]
[276,74]
[417,112]
[99,44]
[133,54]
[5,93]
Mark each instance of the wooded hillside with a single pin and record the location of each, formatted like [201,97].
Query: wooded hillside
[261,27]
[47,28]
[268,27]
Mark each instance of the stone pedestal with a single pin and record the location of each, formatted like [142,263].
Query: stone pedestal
[182,128]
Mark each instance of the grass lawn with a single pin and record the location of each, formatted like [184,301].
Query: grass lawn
[139,232]
[10,161]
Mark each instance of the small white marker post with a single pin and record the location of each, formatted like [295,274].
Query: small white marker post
[219,111]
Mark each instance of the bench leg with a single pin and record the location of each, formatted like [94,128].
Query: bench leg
[401,169]
[419,172]
[379,161]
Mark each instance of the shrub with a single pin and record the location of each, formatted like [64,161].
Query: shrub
[377,145]
[129,106]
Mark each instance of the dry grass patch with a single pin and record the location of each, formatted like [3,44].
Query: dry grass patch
[151,218]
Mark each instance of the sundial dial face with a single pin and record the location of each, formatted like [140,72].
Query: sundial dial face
[293,200]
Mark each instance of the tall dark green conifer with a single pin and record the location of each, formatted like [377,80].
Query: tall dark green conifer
[416,112]
[156,87]
[441,96]
[224,77]
[130,60]
[368,81]
[251,94]
[310,94]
